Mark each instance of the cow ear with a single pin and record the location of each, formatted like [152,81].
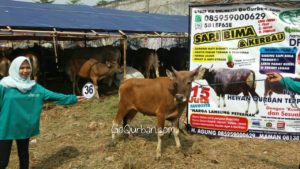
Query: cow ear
[170,74]
[195,71]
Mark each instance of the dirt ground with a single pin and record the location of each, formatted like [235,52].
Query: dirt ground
[79,136]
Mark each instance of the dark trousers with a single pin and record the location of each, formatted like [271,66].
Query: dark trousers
[23,152]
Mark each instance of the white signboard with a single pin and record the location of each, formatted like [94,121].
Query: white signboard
[237,46]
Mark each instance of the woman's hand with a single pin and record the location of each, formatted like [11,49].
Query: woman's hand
[80,98]
[274,77]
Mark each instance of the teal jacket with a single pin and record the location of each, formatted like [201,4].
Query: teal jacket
[20,112]
[291,84]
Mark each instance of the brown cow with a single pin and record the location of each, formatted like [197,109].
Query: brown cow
[275,87]
[104,54]
[146,61]
[88,68]
[163,97]
[4,66]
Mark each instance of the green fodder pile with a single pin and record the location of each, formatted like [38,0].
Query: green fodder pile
[79,136]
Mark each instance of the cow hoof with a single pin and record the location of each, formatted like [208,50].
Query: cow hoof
[126,137]
[158,157]
[111,144]
[257,112]
[179,150]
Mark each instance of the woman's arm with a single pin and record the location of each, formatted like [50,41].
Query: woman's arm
[58,98]
[291,84]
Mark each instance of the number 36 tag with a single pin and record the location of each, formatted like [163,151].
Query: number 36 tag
[88,90]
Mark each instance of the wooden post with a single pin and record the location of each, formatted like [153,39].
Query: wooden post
[124,41]
[55,48]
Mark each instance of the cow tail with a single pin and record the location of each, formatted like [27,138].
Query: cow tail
[252,89]
[254,81]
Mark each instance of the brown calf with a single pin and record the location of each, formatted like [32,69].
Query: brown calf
[163,97]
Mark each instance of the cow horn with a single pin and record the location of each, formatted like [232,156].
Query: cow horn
[211,68]
[174,71]
[196,71]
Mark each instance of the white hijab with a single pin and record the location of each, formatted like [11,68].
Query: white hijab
[14,80]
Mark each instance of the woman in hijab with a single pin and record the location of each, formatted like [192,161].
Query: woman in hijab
[21,101]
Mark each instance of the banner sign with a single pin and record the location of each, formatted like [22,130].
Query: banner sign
[236,46]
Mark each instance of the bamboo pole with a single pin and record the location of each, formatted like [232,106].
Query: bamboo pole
[55,48]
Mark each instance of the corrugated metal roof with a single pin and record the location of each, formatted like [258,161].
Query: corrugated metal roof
[80,17]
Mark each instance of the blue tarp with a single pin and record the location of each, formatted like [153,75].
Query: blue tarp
[81,17]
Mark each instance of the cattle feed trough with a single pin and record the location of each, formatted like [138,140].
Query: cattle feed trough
[231,81]
[163,97]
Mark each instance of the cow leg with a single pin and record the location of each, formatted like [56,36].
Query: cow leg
[74,81]
[248,100]
[257,110]
[73,86]
[265,95]
[128,117]
[94,79]
[76,84]
[293,105]
[156,71]
[254,94]
[148,73]
[219,101]
[117,120]
[160,133]
[176,133]
[223,98]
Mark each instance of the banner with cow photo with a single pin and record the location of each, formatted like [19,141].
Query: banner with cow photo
[237,46]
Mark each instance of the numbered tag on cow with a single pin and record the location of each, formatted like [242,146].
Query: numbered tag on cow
[88,90]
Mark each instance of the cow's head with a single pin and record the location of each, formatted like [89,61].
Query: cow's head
[205,73]
[182,83]
[113,66]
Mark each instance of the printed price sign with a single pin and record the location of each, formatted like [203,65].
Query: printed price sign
[88,90]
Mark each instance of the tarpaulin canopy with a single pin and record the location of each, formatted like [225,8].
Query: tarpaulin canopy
[24,15]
